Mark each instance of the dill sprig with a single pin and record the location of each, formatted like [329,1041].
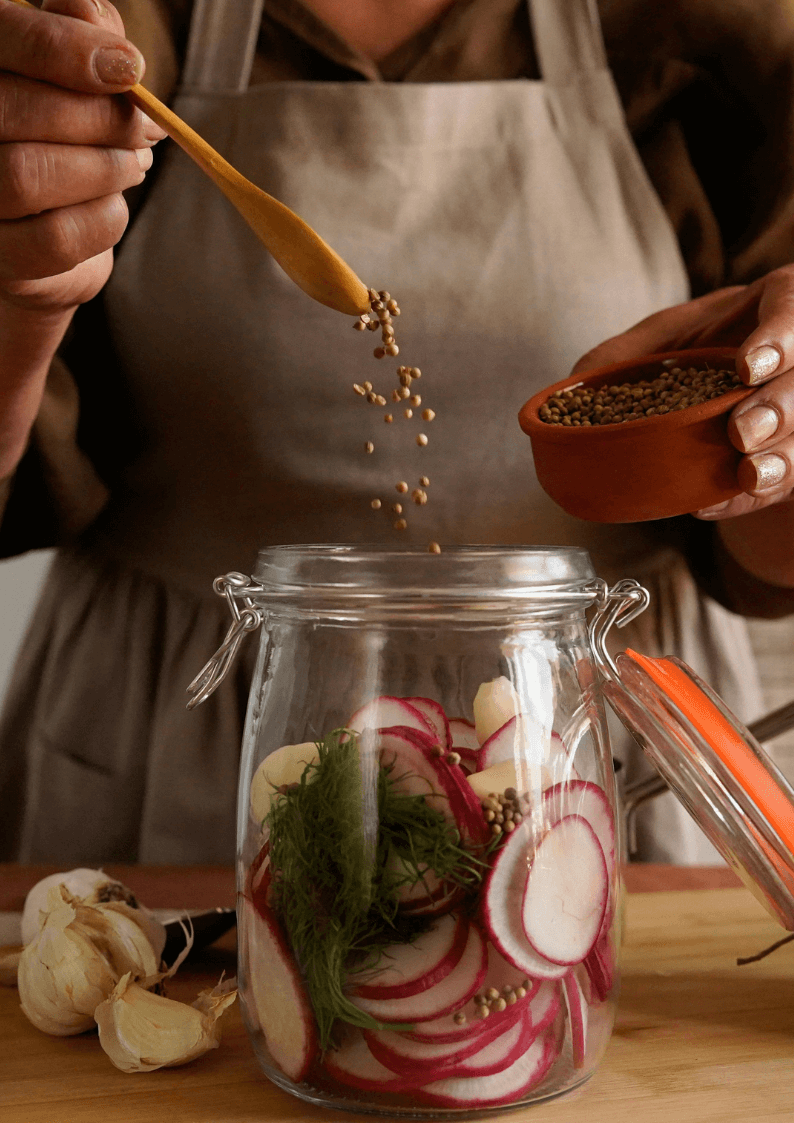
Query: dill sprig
[341,849]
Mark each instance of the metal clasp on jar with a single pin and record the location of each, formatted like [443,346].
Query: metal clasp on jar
[246,617]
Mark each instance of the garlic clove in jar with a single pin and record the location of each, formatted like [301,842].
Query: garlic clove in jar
[62,976]
[494,703]
[93,887]
[141,1031]
[284,766]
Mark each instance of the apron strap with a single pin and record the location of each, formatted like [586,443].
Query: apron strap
[568,38]
[221,46]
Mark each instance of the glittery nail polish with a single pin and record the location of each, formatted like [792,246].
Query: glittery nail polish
[762,362]
[770,470]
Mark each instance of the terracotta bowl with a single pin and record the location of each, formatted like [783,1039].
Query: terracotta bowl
[639,470]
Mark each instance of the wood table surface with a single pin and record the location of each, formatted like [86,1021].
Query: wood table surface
[697,1039]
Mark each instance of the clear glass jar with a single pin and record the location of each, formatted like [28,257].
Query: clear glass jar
[428,855]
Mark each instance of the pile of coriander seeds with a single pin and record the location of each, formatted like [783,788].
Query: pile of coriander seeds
[674,388]
[383,311]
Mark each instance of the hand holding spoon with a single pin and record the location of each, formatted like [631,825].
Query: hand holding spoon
[300,251]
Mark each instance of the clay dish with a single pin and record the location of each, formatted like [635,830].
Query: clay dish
[634,471]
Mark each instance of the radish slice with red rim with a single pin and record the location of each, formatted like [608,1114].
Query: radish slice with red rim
[581,797]
[577,1018]
[463,734]
[503,1087]
[499,1052]
[566,892]
[280,1005]
[449,994]
[502,906]
[408,969]
[353,1064]
[434,714]
[386,711]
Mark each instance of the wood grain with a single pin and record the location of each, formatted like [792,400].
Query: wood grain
[697,1039]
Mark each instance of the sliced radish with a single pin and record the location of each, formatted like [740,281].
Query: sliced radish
[503,1087]
[503,897]
[428,886]
[354,1064]
[463,734]
[521,738]
[499,1052]
[577,1018]
[600,967]
[284,766]
[462,805]
[412,767]
[434,714]
[402,1053]
[409,969]
[280,1005]
[500,975]
[436,904]
[386,711]
[449,994]
[581,797]
[544,1005]
[566,892]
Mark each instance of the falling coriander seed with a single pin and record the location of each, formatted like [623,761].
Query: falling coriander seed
[434,548]
[397,508]
[408,413]
[428,415]
[379,352]
[424,481]
[421,439]
[359,390]
[376,504]
[416,400]
[402,487]
[369,447]
[388,418]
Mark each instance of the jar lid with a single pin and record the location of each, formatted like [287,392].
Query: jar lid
[710,761]
[716,768]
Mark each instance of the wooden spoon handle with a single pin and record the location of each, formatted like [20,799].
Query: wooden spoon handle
[300,251]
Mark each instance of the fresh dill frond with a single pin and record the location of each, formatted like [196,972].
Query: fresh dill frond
[334,837]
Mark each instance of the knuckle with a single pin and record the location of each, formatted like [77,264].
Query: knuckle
[20,175]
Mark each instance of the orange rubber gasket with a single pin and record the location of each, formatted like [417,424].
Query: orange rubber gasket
[727,743]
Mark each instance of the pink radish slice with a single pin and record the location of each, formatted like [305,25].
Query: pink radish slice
[503,1087]
[463,734]
[386,711]
[402,1054]
[566,892]
[503,897]
[428,888]
[450,994]
[500,974]
[412,768]
[435,906]
[354,1064]
[433,713]
[599,965]
[463,805]
[520,738]
[544,1006]
[409,969]
[580,797]
[498,1053]
[280,1005]
[577,1018]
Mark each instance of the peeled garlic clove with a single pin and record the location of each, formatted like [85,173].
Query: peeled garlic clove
[494,703]
[141,1031]
[9,963]
[62,976]
[284,766]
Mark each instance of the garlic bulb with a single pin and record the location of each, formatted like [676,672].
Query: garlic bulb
[141,1031]
[77,958]
[93,887]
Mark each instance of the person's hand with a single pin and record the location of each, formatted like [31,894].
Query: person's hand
[758,319]
[68,148]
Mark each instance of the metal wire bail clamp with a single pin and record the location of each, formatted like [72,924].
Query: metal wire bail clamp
[234,587]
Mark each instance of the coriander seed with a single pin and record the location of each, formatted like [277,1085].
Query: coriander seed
[408,413]
[434,548]
[400,524]
[376,504]
[402,487]
[369,447]
[424,481]
[379,352]
[421,439]
[388,418]
[428,415]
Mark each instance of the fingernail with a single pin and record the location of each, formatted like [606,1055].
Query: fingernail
[708,512]
[152,132]
[755,425]
[145,157]
[117,67]
[762,362]
[770,470]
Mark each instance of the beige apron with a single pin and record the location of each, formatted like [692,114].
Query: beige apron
[516,225]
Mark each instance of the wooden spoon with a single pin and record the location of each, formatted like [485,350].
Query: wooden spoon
[300,251]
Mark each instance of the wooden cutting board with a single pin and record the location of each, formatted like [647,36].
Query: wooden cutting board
[697,1040]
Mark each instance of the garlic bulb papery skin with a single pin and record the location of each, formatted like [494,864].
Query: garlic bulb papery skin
[78,956]
[62,977]
[93,887]
[141,1031]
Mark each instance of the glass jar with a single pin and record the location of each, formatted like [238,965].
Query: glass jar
[428,856]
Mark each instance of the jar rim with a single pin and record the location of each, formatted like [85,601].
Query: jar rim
[470,573]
